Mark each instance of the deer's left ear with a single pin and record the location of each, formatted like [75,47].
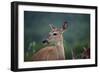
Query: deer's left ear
[64,26]
[52,26]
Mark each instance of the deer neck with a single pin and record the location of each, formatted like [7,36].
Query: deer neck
[60,49]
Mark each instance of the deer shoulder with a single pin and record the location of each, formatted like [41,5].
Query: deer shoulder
[47,53]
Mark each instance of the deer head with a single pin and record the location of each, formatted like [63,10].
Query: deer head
[55,35]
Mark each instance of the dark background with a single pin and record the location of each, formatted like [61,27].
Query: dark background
[36,27]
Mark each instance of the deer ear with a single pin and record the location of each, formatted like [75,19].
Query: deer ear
[64,26]
[52,26]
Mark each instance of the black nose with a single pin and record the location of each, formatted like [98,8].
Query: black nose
[44,41]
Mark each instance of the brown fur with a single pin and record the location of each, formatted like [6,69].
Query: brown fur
[48,53]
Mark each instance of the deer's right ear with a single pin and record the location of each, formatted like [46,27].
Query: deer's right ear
[64,26]
[52,26]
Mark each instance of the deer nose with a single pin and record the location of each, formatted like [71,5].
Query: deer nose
[45,41]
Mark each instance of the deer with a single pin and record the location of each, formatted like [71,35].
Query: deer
[84,55]
[55,51]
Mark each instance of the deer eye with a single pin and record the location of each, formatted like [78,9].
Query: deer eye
[55,34]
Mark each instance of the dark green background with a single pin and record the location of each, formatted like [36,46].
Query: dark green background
[36,27]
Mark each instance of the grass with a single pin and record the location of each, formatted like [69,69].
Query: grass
[77,48]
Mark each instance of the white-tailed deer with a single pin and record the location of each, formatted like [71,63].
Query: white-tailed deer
[84,55]
[55,51]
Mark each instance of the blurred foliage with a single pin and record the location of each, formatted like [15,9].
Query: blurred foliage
[36,27]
